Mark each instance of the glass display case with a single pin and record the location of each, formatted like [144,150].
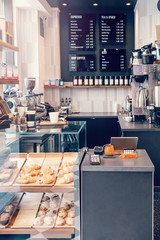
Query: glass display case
[39,180]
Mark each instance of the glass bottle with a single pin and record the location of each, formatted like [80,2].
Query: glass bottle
[111,81]
[100,81]
[91,81]
[126,81]
[80,81]
[116,81]
[121,81]
[106,81]
[75,81]
[96,81]
[85,81]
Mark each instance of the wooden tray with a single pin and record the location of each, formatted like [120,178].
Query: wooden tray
[15,202]
[70,155]
[34,158]
[53,217]
[48,123]
[20,158]
[27,210]
[67,197]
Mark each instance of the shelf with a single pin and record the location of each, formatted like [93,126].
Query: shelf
[8,47]
[57,189]
[87,87]
[6,81]
[47,233]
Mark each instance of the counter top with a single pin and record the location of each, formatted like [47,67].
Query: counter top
[135,126]
[125,126]
[140,164]
[91,114]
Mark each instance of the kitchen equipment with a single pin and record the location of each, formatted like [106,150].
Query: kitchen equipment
[157,116]
[30,83]
[157,45]
[150,109]
[157,96]
[148,58]
[140,78]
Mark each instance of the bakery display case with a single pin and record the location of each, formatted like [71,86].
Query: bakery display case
[39,180]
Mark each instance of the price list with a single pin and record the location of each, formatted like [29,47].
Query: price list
[82,63]
[112,60]
[112,29]
[82,32]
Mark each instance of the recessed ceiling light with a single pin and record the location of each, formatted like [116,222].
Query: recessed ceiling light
[128,4]
[64,4]
[95,4]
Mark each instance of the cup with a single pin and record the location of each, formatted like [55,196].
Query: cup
[109,150]
[21,110]
[53,117]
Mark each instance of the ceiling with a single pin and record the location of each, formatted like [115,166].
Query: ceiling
[118,4]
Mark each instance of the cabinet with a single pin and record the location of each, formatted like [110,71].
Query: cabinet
[99,129]
[43,187]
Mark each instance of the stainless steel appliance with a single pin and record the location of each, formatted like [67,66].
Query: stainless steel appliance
[143,85]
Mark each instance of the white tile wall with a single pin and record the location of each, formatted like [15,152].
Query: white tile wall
[147,17]
[90,100]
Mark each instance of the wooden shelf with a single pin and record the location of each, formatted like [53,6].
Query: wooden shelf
[87,87]
[48,233]
[6,81]
[57,189]
[8,47]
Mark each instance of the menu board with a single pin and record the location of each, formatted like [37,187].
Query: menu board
[112,29]
[82,32]
[82,63]
[112,60]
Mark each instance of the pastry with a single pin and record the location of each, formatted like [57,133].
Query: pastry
[51,212]
[60,221]
[44,206]
[41,213]
[4,218]
[48,171]
[68,163]
[38,221]
[48,179]
[69,221]
[66,206]
[53,204]
[68,178]
[45,198]
[62,213]
[10,164]
[55,197]
[34,173]
[27,180]
[35,166]
[68,169]
[9,209]
[71,214]
[48,220]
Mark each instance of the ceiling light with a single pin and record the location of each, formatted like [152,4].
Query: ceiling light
[64,4]
[128,4]
[95,4]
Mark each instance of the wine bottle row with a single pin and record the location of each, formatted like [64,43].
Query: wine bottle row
[101,81]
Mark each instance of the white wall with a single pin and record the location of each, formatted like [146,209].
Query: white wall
[147,17]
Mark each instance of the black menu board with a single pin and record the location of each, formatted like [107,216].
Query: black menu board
[112,29]
[112,60]
[82,32]
[82,63]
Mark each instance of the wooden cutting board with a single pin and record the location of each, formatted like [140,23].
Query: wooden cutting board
[48,123]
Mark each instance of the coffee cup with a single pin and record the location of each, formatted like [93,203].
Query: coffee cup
[109,150]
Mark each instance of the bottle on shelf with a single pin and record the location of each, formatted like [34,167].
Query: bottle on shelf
[86,81]
[96,81]
[106,81]
[116,81]
[75,81]
[80,81]
[100,81]
[62,101]
[126,81]
[61,82]
[121,81]
[90,81]
[111,81]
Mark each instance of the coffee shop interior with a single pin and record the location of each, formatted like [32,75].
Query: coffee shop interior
[80,119]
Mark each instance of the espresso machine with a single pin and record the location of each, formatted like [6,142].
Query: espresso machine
[144,81]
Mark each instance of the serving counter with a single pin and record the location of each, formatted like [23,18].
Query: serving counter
[42,189]
[117,198]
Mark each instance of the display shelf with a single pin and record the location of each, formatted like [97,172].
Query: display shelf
[47,233]
[79,87]
[36,189]
[6,81]
[8,47]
